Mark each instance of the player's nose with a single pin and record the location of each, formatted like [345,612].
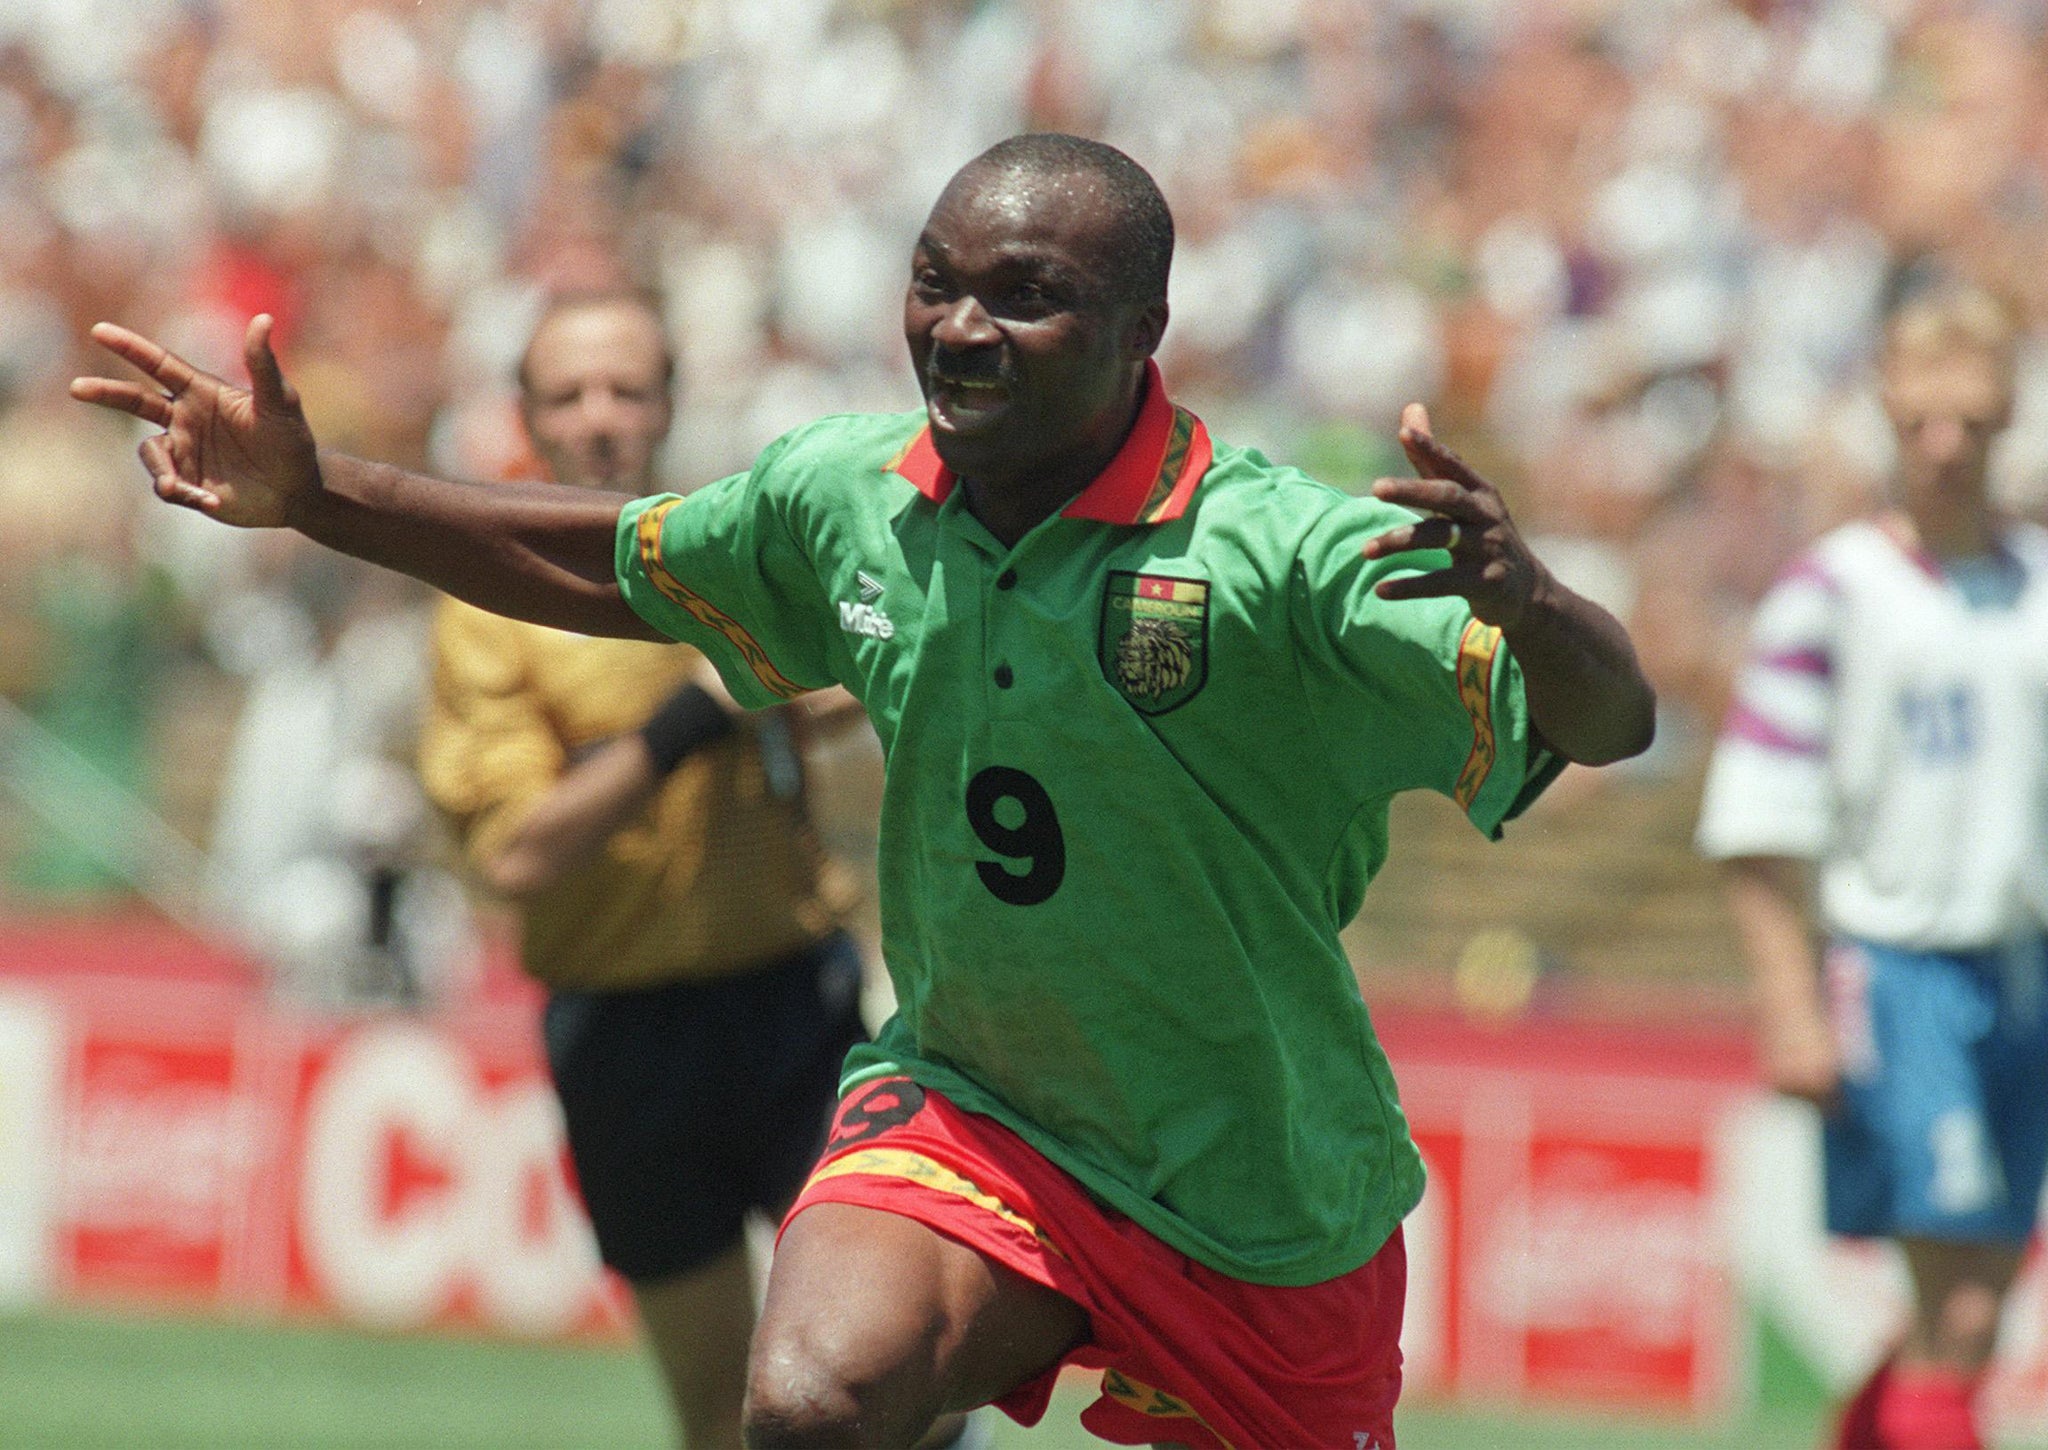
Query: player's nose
[965,323]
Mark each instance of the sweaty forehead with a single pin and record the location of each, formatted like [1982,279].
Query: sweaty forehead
[1012,209]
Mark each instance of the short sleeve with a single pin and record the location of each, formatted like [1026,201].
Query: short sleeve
[1421,694]
[487,750]
[720,569]
[1768,790]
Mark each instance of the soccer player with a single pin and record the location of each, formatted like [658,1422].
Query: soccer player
[1144,698]
[671,891]
[1889,737]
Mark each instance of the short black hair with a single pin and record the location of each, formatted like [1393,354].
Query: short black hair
[577,299]
[1144,255]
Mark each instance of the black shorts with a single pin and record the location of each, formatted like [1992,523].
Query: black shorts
[690,1103]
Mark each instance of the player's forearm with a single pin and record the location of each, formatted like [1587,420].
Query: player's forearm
[537,552]
[576,816]
[1767,899]
[1587,693]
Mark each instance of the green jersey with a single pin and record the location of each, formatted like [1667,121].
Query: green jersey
[1138,770]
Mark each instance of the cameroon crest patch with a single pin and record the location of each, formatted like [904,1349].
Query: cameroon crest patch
[1155,639]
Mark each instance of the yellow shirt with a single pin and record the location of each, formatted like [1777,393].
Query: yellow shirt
[719,875]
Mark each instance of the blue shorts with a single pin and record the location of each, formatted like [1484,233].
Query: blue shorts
[689,1104]
[1942,1131]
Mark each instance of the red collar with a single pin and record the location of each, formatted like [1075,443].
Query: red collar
[1149,481]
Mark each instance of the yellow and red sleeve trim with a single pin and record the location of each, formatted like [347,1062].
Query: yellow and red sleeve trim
[1478,648]
[1149,481]
[647,536]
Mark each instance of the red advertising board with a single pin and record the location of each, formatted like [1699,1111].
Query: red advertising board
[393,1171]
[1594,1193]
[432,1187]
[152,1172]
[1567,1248]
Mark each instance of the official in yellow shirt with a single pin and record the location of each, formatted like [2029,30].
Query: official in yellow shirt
[672,894]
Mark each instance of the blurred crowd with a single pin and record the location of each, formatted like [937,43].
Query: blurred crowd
[1632,253]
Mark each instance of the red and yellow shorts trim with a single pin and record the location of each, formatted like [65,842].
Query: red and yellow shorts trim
[1187,1355]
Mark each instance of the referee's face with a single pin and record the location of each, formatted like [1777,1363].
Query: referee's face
[1030,365]
[595,394]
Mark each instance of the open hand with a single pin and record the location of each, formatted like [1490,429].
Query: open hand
[1490,565]
[241,455]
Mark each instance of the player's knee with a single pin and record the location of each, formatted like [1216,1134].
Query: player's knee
[782,1414]
[787,1413]
[799,1398]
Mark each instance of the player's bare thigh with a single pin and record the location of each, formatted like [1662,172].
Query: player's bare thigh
[875,1325]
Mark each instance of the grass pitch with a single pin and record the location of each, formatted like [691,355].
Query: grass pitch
[128,1382]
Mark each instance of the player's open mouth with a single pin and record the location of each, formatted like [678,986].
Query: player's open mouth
[961,405]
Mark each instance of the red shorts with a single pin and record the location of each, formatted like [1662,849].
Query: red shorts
[1187,1355]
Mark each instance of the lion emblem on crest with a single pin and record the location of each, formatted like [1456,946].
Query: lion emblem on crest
[1154,639]
[1155,657]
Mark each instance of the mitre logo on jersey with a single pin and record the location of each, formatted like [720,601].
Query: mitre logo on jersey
[1155,639]
[862,617]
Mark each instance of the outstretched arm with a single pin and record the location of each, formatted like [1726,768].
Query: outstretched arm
[1587,694]
[246,456]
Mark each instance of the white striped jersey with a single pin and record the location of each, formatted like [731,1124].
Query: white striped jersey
[1891,725]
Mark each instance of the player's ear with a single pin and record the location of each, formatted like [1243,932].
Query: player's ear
[1147,326]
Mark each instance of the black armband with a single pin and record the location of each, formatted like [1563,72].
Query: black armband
[685,722]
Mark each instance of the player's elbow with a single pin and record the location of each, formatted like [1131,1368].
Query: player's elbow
[1603,737]
[1636,731]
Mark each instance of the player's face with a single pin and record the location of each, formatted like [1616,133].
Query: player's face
[596,401]
[1947,407]
[1028,363]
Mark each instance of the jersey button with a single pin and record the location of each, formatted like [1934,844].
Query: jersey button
[1004,677]
[1007,579]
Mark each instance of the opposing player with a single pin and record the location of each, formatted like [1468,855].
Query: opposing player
[1144,699]
[671,891]
[1890,738]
